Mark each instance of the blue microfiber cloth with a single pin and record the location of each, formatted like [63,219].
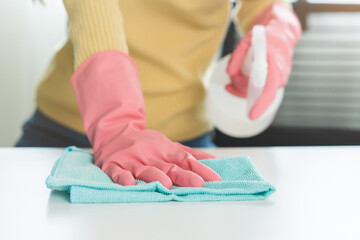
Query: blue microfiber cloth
[75,172]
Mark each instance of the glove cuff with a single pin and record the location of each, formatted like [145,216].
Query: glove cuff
[109,96]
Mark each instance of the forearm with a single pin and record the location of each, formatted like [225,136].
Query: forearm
[94,26]
[248,10]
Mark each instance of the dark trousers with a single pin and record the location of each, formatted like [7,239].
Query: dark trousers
[41,131]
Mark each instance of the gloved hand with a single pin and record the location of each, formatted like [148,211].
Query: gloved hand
[111,104]
[283,31]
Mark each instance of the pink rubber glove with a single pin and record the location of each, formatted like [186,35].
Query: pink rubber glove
[283,31]
[111,104]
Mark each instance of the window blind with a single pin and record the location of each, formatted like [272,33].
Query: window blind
[324,87]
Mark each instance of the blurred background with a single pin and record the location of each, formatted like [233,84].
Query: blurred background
[321,104]
[30,34]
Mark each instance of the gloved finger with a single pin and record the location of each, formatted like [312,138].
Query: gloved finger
[188,162]
[238,86]
[179,176]
[238,57]
[269,93]
[147,173]
[198,154]
[262,104]
[119,175]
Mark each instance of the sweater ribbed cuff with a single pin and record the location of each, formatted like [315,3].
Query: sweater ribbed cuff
[248,10]
[94,26]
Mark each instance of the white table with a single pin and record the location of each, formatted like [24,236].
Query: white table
[317,197]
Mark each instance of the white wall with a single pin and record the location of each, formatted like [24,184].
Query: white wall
[30,34]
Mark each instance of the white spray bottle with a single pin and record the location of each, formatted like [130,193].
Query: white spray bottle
[230,113]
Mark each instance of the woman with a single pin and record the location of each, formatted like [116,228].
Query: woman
[123,57]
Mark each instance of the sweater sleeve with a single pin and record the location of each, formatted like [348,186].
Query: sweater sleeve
[94,26]
[247,10]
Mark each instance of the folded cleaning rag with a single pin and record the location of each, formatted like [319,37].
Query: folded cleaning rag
[76,173]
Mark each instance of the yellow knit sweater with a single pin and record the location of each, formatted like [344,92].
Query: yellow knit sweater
[172,43]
